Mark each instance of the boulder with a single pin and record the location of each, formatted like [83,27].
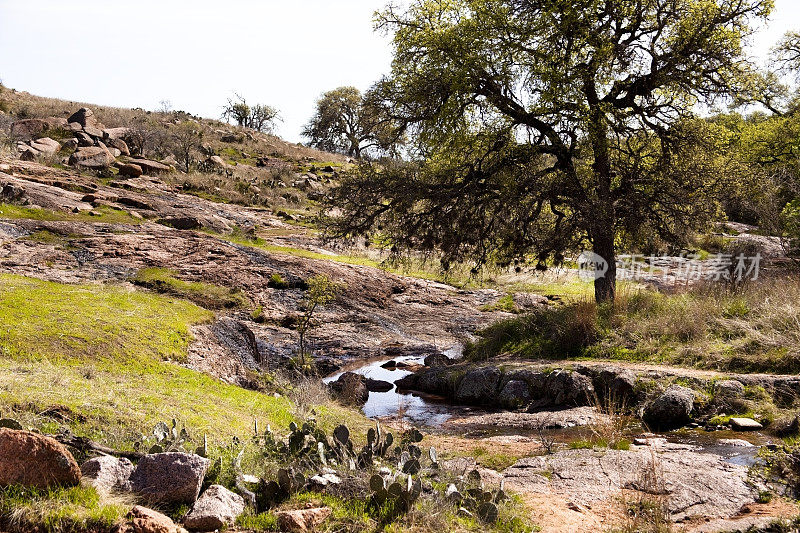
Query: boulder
[57,122]
[150,167]
[479,386]
[28,128]
[302,519]
[46,145]
[729,388]
[70,144]
[216,161]
[350,388]
[515,394]
[94,133]
[436,360]
[84,139]
[172,477]
[33,460]
[110,134]
[93,157]
[119,144]
[144,520]
[217,507]
[378,385]
[129,170]
[672,409]
[107,473]
[85,117]
[563,387]
[185,223]
[74,127]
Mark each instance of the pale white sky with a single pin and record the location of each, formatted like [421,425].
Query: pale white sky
[196,53]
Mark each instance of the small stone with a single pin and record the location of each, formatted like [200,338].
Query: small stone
[745,424]
[144,520]
[171,477]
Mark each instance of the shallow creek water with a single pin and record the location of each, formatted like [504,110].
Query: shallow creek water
[433,412]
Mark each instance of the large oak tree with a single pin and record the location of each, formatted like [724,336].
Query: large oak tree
[542,125]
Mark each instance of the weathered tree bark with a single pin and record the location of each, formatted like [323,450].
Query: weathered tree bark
[83,444]
[605,287]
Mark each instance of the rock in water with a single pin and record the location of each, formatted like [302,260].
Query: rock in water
[33,460]
[215,509]
[107,473]
[302,519]
[350,388]
[378,385]
[171,477]
[672,409]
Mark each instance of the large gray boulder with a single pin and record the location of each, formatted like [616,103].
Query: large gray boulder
[171,477]
[515,394]
[671,409]
[479,386]
[217,507]
[108,473]
[563,387]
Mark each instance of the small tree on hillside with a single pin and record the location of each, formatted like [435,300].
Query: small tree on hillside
[185,139]
[258,117]
[321,291]
[544,125]
[347,122]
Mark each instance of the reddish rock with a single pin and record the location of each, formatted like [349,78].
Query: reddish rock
[94,157]
[119,144]
[144,520]
[33,460]
[302,519]
[29,128]
[215,509]
[46,145]
[151,167]
[130,170]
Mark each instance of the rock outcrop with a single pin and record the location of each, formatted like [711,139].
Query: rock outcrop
[302,519]
[671,409]
[33,460]
[350,388]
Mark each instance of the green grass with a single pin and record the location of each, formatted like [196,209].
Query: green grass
[59,509]
[753,330]
[106,356]
[104,214]
[494,460]
[205,294]
[504,303]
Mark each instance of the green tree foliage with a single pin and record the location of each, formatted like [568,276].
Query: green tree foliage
[347,122]
[321,291]
[541,125]
[258,117]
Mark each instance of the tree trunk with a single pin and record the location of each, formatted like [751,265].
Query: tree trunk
[605,287]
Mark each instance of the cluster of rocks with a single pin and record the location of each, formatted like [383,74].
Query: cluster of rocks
[93,146]
[172,478]
[654,396]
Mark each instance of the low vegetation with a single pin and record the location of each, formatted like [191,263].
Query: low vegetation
[756,329]
[206,295]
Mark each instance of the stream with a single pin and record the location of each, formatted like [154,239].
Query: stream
[432,412]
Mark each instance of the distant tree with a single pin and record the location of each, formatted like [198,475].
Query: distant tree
[258,117]
[185,139]
[350,123]
[542,125]
[146,136]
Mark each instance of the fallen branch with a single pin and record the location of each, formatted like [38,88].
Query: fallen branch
[84,445]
